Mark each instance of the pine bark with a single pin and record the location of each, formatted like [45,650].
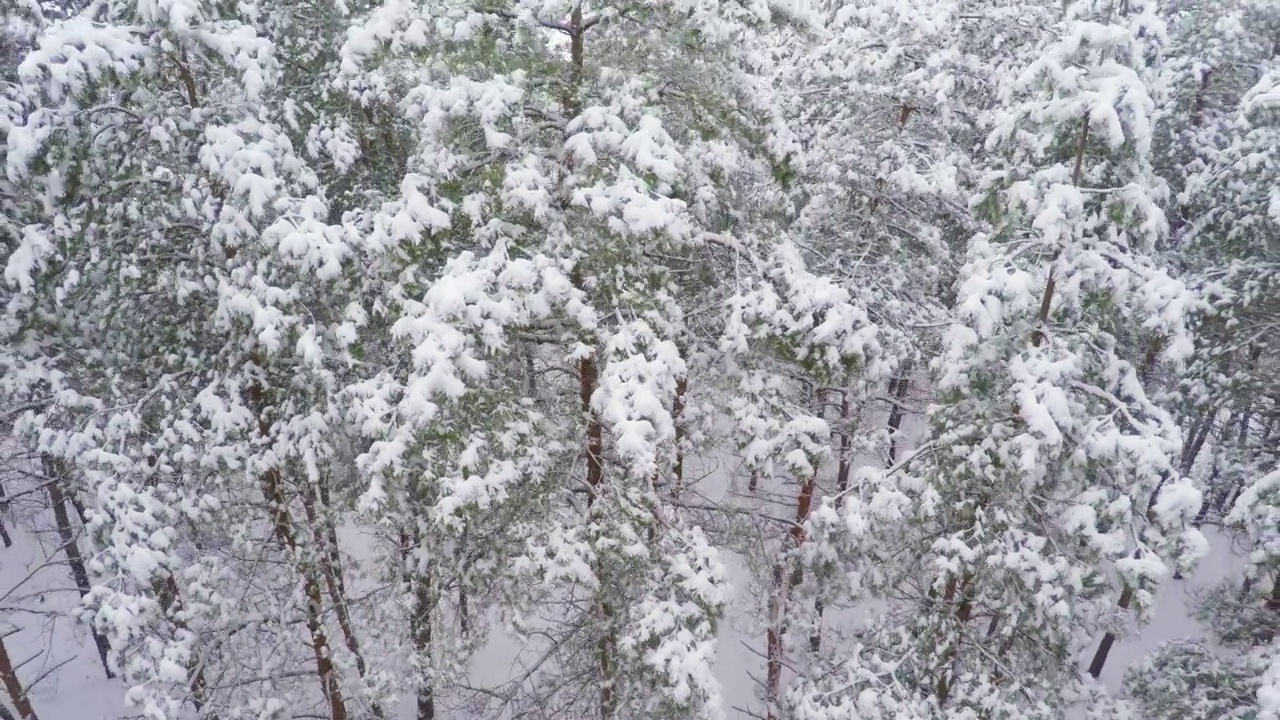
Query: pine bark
[13,685]
[677,417]
[282,523]
[171,604]
[1108,638]
[898,387]
[421,616]
[326,534]
[606,645]
[783,587]
[773,642]
[844,465]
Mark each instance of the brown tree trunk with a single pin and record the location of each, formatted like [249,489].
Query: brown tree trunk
[677,417]
[17,694]
[778,600]
[171,604]
[1199,433]
[606,645]
[587,376]
[326,536]
[54,476]
[898,387]
[773,641]
[282,522]
[1108,638]
[844,465]
[1046,301]
[424,603]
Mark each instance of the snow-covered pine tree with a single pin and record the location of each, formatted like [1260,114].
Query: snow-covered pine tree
[877,99]
[567,181]
[1231,244]
[1035,489]
[1229,677]
[176,326]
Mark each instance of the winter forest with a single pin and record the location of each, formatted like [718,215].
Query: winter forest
[640,360]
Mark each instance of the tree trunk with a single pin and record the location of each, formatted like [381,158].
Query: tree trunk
[1108,639]
[1199,433]
[778,599]
[282,523]
[677,417]
[773,642]
[424,603]
[326,536]
[898,387]
[606,645]
[17,694]
[1046,301]
[171,604]
[844,464]
[845,461]
[55,475]
[282,520]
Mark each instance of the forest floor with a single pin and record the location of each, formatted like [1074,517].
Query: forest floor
[58,663]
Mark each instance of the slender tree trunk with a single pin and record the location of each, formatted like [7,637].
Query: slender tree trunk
[171,605]
[778,599]
[1046,301]
[677,416]
[421,628]
[588,374]
[845,462]
[607,641]
[606,646]
[1199,433]
[282,522]
[844,465]
[964,610]
[55,475]
[17,694]
[464,566]
[330,559]
[424,604]
[773,641]
[1108,638]
[898,387]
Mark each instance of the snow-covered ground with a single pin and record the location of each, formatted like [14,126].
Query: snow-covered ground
[54,655]
[58,662]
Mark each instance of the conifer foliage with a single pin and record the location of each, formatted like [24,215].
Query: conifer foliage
[645,359]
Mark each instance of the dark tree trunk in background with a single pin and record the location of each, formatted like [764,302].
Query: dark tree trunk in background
[898,387]
[56,475]
[17,694]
